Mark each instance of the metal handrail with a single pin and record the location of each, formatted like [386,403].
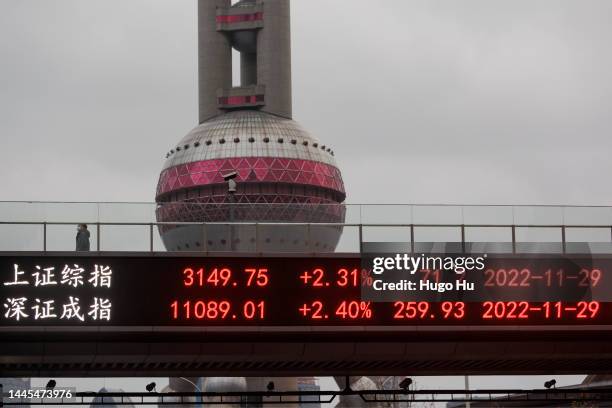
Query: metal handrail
[557,395]
[305,224]
[412,227]
[323,204]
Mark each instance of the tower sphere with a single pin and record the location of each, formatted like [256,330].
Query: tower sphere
[283,175]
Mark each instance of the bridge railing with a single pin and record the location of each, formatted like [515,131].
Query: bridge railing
[17,236]
[145,212]
[125,226]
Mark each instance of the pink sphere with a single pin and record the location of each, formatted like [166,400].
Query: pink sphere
[283,175]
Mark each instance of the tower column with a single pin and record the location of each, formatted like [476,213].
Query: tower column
[274,57]
[215,58]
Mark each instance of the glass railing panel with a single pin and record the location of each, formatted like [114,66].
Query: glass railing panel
[21,237]
[539,240]
[127,212]
[588,240]
[386,214]
[437,240]
[587,216]
[437,214]
[125,238]
[487,215]
[386,234]
[538,215]
[488,240]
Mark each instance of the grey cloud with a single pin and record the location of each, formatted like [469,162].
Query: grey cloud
[512,96]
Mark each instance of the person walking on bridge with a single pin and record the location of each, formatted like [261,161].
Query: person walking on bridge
[82,238]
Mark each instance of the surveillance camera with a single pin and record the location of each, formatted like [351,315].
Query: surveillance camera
[405,383]
[230,176]
[231,185]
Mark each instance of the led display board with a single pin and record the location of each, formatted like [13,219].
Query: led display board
[91,290]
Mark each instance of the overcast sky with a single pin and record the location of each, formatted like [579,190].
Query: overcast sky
[423,101]
[472,101]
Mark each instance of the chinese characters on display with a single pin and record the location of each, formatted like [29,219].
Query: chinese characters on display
[74,278]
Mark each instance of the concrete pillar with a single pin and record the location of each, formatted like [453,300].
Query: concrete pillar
[274,57]
[215,58]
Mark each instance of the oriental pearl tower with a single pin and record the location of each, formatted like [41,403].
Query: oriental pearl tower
[248,161]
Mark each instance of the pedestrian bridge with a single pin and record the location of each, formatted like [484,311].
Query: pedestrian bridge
[126,234]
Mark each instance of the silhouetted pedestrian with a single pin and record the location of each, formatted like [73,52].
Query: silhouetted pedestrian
[82,238]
